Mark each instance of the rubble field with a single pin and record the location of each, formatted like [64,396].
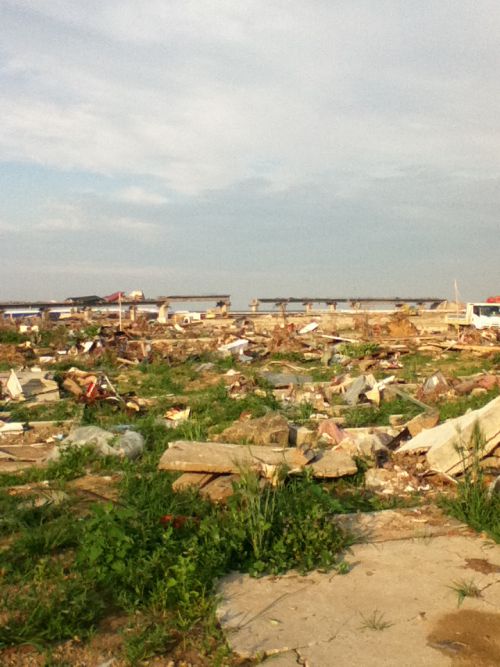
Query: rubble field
[264,489]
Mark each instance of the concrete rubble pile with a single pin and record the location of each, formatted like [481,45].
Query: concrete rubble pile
[452,447]
[359,363]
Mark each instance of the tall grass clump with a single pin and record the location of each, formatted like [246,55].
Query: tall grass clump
[473,502]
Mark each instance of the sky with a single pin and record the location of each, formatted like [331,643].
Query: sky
[259,148]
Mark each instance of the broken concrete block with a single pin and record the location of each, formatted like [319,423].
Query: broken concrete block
[191,480]
[334,433]
[434,385]
[300,435]
[449,447]
[494,488]
[279,380]
[360,386]
[379,479]
[366,446]
[214,457]
[333,463]
[14,388]
[235,348]
[220,489]
[423,421]
[272,429]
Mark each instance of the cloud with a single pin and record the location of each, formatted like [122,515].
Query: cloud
[61,217]
[202,96]
[8,227]
[140,196]
[265,145]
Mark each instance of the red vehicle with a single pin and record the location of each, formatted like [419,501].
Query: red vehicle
[114,298]
[493,299]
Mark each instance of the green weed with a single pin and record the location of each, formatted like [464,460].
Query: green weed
[458,407]
[465,589]
[472,503]
[58,411]
[51,605]
[288,526]
[148,639]
[12,337]
[414,365]
[358,350]
[375,621]
[302,413]
[372,416]
[156,379]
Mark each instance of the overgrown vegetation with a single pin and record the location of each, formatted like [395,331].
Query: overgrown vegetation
[12,337]
[358,350]
[473,503]
[70,565]
[456,408]
[154,556]
[358,416]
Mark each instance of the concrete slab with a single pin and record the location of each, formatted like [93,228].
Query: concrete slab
[404,586]
[288,659]
[423,521]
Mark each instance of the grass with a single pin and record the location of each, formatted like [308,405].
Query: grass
[358,350]
[375,621]
[373,416]
[472,503]
[458,407]
[465,589]
[12,337]
[149,638]
[413,365]
[58,411]
[68,566]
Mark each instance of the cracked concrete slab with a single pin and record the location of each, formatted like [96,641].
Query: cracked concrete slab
[381,613]
[288,659]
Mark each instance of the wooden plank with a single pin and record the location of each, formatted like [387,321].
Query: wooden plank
[481,349]
[191,480]
[412,399]
[214,457]
[36,452]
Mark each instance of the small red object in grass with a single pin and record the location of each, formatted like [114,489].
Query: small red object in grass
[177,521]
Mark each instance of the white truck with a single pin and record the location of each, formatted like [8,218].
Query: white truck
[478,316]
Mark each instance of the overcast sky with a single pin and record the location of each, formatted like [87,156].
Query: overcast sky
[260,148]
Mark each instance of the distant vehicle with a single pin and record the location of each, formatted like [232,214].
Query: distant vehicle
[115,297]
[477,315]
[85,299]
[136,295]
[493,299]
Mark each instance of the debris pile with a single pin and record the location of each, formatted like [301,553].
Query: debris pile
[332,394]
[213,466]
[452,447]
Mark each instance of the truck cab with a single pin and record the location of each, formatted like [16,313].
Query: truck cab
[477,315]
[483,315]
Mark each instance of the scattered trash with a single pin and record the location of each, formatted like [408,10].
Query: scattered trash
[128,445]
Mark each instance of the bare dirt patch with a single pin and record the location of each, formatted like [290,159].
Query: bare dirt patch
[470,638]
